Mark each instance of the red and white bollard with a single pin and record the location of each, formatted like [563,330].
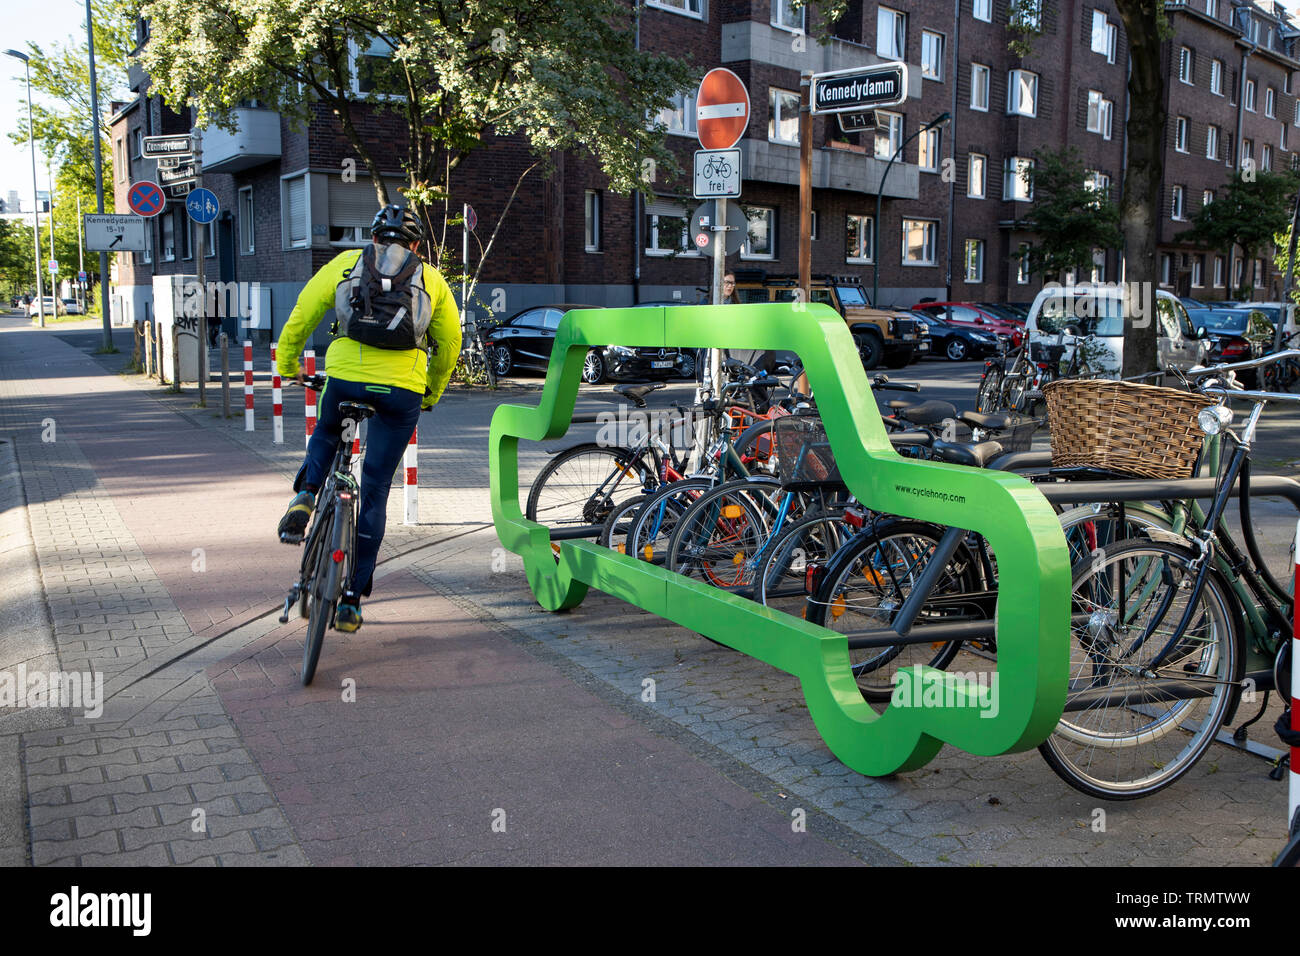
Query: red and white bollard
[277,403]
[1293,801]
[309,395]
[411,511]
[248,385]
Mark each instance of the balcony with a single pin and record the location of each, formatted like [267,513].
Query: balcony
[833,168]
[257,141]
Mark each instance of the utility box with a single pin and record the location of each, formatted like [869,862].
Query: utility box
[171,306]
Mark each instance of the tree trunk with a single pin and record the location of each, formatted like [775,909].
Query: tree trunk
[1140,207]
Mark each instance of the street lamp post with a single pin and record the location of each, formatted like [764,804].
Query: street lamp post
[36,203]
[939,120]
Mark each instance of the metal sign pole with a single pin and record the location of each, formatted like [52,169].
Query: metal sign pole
[200,231]
[99,180]
[805,185]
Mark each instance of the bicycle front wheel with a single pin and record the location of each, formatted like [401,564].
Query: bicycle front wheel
[719,538]
[584,484]
[988,399]
[1145,700]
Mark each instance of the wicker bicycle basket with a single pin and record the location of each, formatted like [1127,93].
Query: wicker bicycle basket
[804,457]
[1141,430]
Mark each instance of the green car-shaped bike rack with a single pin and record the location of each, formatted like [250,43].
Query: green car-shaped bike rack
[1033,610]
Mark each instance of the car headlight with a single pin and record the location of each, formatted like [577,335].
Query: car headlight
[981,337]
[622,351]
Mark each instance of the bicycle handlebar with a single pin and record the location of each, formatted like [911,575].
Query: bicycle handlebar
[1200,371]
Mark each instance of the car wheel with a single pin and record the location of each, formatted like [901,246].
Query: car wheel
[870,350]
[956,350]
[593,369]
[502,360]
[686,367]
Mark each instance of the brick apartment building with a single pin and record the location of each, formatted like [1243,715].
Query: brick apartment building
[950,203]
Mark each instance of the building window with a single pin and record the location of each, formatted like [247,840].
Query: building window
[147,255]
[784,15]
[137,143]
[1022,93]
[1212,8]
[928,149]
[1247,151]
[1104,34]
[1250,95]
[982,10]
[691,8]
[1099,183]
[591,217]
[680,116]
[891,34]
[976,165]
[295,229]
[667,228]
[209,240]
[1022,264]
[760,234]
[1284,139]
[167,237]
[186,230]
[920,242]
[1207,197]
[1100,113]
[1166,262]
[1259,273]
[1270,103]
[374,70]
[1239,269]
[119,159]
[889,133]
[1295,119]
[1098,265]
[1015,179]
[979,87]
[247,229]
[1027,14]
[1266,157]
[1178,206]
[1216,77]
[813,225]
[860,231]
[1185,65]
[1180,134]
[1211,142]
[1218,272]
[783,116]
[1227,148]
[1198,272]
[931,55]
[974,260]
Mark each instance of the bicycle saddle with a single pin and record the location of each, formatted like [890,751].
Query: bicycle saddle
[357,410]
[914,437]
[962,453]
[927,413]
[980,420]
[636,393]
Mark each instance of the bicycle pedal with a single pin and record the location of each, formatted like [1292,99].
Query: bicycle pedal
[286,538]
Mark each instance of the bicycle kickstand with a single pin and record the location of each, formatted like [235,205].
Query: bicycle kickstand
[289,602]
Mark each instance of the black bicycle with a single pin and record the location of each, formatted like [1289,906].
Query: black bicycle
[329,557]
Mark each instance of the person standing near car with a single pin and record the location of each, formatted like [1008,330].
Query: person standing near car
[398,340]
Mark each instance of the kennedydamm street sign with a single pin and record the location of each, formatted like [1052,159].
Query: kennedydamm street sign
[850,91]
[175,145]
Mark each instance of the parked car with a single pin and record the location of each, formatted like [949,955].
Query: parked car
[1190,304]
[1069,315]
[525,340]
[52,306]
[954,342]
[1235,335]
[72,307]
[1006,310]
[971,316]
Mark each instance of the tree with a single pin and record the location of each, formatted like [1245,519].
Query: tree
[563,74]
[1070,218]
[1252,210]
[17,258]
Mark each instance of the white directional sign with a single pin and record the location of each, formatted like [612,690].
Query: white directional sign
[114,233]
[717,173]
[175,174]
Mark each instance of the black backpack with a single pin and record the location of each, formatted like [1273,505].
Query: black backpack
[382,301]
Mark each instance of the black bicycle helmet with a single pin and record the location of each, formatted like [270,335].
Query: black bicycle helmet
[397,223]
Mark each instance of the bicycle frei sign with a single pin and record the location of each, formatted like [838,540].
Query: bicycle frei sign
[1033,617]
[717,174]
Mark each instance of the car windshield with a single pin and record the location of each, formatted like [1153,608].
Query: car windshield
[851,295]
[1216,321]
[1089,313]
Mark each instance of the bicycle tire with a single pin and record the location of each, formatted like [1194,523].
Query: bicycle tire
[717,537]
[571,488]
[810,542]
[619,524]
[325,573]
[866,583]
[654,523]
[988,398]
[1141,733]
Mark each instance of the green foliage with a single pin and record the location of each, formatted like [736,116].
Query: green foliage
[17,258]
[1024,23]
[1250,213]
[1070,218]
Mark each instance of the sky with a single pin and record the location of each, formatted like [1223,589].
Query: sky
[45,23]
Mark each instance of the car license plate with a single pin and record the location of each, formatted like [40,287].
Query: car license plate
[661,364]
[924,347]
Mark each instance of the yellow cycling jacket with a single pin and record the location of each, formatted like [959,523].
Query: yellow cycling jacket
[351,361]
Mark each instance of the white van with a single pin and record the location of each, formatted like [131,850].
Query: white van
[1093,315]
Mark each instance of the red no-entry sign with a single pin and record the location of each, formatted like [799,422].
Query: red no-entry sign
[721,109]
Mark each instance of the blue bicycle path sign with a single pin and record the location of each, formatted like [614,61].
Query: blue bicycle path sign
[202,205]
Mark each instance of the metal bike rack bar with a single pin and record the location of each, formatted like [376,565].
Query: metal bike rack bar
[1067,492]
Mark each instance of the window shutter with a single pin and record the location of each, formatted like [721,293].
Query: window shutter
[297,224]
[352,204]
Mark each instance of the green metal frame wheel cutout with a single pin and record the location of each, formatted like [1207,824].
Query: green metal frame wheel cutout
[1032,620]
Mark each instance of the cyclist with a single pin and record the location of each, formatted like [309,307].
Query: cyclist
[399,337]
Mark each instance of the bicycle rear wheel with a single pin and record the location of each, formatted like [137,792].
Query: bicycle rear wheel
[988,399]
[583,484]
[1144,702]
[327,584]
